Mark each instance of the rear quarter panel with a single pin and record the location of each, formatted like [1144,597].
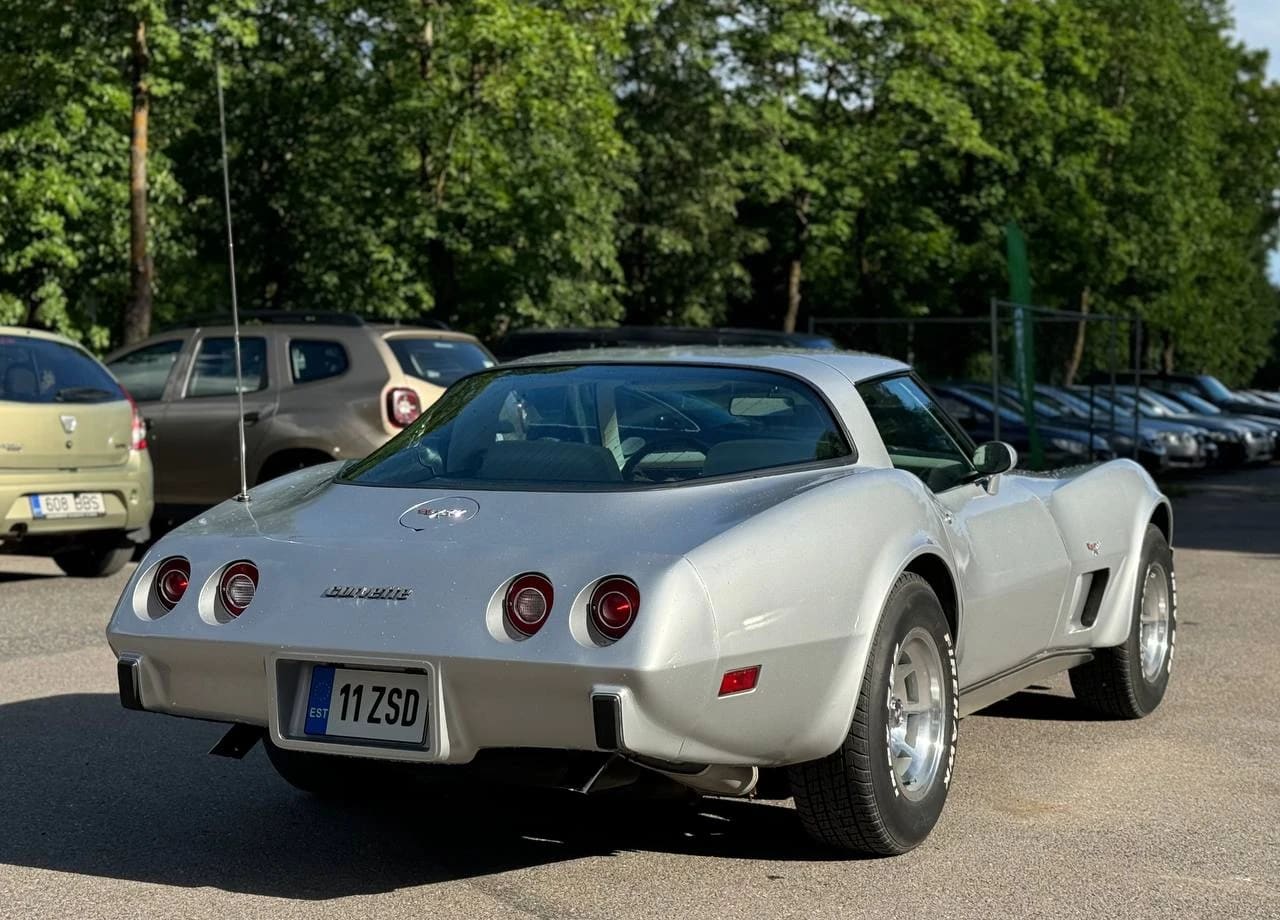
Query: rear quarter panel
[799,589]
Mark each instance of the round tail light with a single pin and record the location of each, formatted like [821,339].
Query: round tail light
[528,603]
[614,605]
[238,586]
[173,576]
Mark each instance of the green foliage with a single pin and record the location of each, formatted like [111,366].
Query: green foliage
[522,162]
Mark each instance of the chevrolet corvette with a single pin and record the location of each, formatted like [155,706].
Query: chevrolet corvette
[736,570]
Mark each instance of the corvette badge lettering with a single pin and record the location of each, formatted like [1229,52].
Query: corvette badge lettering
[365,592]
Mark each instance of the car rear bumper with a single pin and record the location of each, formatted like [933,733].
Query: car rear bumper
[126,493]
[476,704]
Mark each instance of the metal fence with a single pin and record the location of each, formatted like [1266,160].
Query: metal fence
[1014,344]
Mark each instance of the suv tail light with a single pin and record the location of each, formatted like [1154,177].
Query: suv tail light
[403,406]
[138,433]
[614,605]
[238,585]
[173,575]
[528,603]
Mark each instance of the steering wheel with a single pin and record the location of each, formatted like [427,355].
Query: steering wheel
[661,445]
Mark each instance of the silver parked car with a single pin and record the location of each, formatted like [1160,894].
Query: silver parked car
[695,565]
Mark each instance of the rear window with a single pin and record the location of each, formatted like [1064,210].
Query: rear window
[41,371]
[607,427]
[439,361]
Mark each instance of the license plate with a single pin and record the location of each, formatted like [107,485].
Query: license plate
[374,705]
[68,505]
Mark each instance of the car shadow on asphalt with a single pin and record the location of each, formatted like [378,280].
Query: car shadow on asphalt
[89,788]
[6,577]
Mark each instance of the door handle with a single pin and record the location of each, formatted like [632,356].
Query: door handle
[251,418]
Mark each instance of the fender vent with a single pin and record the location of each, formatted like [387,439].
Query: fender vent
[1093,599]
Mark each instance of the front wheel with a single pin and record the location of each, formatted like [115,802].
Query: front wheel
[883,790]
[1129,680]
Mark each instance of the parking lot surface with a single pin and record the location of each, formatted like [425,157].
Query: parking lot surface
[108,813]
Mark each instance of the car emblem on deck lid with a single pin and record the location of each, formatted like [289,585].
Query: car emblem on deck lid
[453,510]
[68,423]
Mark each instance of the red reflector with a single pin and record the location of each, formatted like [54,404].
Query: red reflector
[739,681]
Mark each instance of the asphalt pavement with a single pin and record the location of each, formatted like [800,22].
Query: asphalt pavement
[108,813]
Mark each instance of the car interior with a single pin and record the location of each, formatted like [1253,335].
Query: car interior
[532,426]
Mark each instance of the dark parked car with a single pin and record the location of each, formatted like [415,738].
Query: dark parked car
[1062,446]
[1239,440]
[1211,389]
[521,343]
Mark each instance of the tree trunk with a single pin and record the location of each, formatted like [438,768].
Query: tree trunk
[1167,353]
[137,314]
[795,270]
[1077,348]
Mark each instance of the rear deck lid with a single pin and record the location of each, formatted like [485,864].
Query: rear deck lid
[59,408]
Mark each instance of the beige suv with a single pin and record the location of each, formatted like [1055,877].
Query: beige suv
[75,476]
[317,388]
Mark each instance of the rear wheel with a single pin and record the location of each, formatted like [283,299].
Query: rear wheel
[882,791]
[93,560]
[1129,680]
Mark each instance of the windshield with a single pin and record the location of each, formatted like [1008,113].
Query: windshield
[984,404]
[1203,406]
[1216,388]
[42,371]
[439,361]
[1163,402]
[607,426]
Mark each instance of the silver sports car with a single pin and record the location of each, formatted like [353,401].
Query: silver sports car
[746,572]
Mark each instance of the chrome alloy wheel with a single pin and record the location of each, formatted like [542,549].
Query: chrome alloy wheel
[1153,626]
[916,720]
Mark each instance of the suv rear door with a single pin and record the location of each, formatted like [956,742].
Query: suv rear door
[61,409]
[199,430]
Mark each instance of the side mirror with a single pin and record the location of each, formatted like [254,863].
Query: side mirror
[994,458]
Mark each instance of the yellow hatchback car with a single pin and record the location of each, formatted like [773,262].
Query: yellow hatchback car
[75,476]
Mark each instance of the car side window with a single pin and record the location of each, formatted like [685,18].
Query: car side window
[918,441]
[313,359]
[214,372]
[144,371]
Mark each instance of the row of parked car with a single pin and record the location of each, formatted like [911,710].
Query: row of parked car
[1171,422]
[89,450]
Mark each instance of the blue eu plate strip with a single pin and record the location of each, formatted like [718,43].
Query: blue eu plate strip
[318,702]
[36,509]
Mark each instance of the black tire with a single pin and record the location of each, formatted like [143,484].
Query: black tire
[852,798]
[1114,683]
[332,776]
[96,560]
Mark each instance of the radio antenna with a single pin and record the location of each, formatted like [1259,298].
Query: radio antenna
[243,495]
